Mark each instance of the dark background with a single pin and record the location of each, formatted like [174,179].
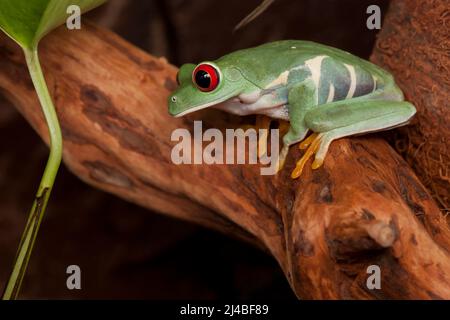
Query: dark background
[128,252]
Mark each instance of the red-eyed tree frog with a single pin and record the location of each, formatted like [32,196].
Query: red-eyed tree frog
[315,87]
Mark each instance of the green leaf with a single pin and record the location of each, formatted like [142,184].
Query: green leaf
[27,21]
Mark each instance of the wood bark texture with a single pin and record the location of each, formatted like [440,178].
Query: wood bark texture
[364,207]
[414,45]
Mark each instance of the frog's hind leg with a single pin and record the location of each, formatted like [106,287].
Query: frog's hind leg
[345,118]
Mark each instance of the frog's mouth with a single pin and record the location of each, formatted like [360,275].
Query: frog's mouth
[196,108]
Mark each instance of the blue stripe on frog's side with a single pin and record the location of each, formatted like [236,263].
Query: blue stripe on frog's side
[339,81]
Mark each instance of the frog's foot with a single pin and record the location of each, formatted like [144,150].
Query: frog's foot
[307,142]
[263,126]
[315,146]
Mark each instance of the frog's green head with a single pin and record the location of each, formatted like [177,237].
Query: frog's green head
[206,85]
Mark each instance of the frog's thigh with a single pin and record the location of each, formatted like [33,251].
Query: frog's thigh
[337,120]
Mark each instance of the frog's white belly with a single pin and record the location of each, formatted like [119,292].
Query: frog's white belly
[281,112]
[269,104]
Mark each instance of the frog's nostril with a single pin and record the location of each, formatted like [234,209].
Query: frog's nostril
[174,99]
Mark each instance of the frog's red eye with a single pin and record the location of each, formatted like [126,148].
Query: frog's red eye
[206,77]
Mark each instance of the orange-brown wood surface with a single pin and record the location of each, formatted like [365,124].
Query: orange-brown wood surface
[413,44]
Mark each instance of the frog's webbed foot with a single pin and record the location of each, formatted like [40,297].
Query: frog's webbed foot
[315,144]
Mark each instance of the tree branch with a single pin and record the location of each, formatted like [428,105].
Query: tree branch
[363,207]
[413,45]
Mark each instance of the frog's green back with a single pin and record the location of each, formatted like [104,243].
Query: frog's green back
[263,64]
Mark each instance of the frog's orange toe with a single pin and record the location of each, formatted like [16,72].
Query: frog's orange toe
[313,143]
[317,163]
[306,143]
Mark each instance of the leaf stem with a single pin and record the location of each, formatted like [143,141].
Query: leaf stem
[47,180]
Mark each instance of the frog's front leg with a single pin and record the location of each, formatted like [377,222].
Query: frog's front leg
[262,126]
[344,118]
[301,98]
